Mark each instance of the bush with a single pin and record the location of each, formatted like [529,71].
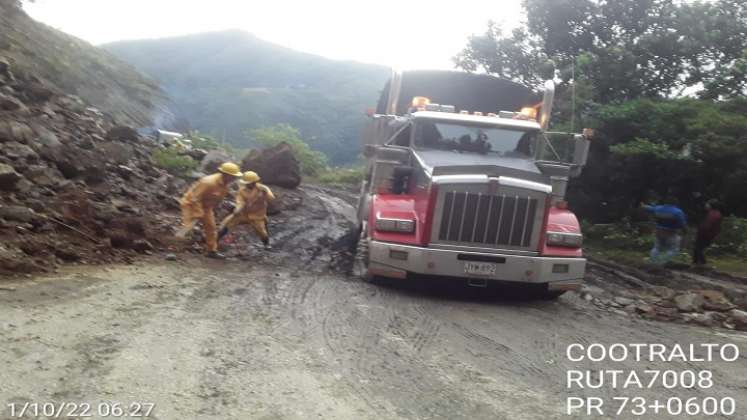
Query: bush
[652,148]
[205,142]
[733,237]
[623,235]
[173,162]
[350,176]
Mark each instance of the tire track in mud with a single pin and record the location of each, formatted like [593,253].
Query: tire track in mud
[494,346]
[334,336]
[388,352]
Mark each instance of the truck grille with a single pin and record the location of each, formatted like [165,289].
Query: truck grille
[488,219]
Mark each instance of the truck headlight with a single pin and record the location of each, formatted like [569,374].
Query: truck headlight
[395,225]
[570,240]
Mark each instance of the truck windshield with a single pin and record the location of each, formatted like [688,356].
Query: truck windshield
[481,139]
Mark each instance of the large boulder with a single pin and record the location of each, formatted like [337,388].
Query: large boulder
[122,133]
[39,93]
[9,103]
[212,160]
[713,300]
[74,162]
[8,177]
[15,131]
[4,65]
[739,319]
[64,159]
[197,154]
[689,302]
[17,213]
[118,153]
[15,151]
[14,260]
[275,165]
[42,175]
[44,138]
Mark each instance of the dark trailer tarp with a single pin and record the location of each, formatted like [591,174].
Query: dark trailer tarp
[466,91]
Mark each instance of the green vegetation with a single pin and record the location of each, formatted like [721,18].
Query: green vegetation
[733,238]
[202,141]
[227,83]
[648,148]
[175,163]
[342,176]
[629,243]
[621,50]
[639,148]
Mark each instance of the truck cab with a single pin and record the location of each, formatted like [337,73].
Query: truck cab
[469,194]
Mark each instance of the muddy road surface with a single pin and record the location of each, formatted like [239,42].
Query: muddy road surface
[281,335]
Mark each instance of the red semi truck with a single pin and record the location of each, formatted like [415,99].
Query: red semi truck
[464,182]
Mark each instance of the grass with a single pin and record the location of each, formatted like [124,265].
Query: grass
[606,250]
[341,176]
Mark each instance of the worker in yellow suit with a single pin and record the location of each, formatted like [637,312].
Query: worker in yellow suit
[200,200]
[251,207]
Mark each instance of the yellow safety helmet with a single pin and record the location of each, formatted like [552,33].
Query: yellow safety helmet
[230,168]
[249,177]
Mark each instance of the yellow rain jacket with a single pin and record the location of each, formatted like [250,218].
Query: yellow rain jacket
[198,204]
[251,209]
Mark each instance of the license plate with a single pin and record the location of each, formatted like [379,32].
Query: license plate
[480,269]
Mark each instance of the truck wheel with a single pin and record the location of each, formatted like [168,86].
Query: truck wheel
[360,263]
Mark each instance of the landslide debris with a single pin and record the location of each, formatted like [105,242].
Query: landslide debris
[705,299]
[74,185]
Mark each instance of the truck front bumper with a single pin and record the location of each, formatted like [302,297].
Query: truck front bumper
[399,261]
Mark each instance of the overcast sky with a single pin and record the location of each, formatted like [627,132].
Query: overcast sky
[399,33]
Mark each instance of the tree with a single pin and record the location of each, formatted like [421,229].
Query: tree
[622,49]
[693,149]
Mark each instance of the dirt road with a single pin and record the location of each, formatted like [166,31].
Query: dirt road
[292,339]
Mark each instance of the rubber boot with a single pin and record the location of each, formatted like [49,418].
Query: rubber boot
[222,232]
[266,241]
[215,255]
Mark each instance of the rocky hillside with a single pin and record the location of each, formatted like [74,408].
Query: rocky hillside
[225,83]
[76,67]
[74,186]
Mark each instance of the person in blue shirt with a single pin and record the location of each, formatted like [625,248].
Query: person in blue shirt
[671,223]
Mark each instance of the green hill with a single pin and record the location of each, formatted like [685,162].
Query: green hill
[225,83]
[77,67]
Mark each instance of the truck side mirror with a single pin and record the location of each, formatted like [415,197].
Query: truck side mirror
[369,150]
[581,149]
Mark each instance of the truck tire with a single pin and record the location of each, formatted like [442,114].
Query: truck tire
[360,262]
